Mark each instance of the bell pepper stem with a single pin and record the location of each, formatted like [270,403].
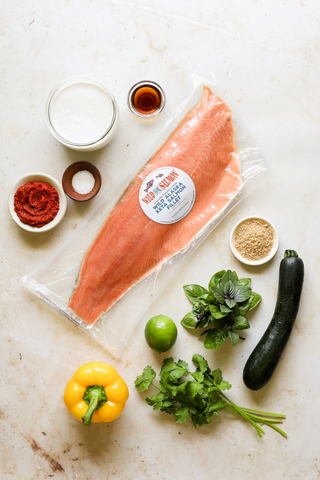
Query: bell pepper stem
[95,397]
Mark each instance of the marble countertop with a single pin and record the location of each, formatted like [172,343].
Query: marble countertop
[265,56]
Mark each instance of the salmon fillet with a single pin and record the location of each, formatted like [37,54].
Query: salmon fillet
[130,246]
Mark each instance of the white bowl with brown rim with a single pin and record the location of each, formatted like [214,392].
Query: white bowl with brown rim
[250,250]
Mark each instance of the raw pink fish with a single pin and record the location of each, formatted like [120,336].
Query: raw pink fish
[130,245]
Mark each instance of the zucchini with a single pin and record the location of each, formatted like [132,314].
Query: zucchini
[265,357]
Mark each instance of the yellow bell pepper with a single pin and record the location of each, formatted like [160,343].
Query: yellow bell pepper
[96,393]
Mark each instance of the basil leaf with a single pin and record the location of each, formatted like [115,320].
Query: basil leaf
[240,323]
[228,277]
[234,337]
[230,302]
[216,313]
[242,293]
[236,310]
[206,297]
[225,309]
[215,279]
[190,320]
[203,333]
[194,292]
[254,300]
[245,282]
[218,323]
[204,323]
[229,289]
[244,307]
[235,274]
[217,293]
[214,339]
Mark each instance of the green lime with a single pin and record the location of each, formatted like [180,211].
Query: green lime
[161,333]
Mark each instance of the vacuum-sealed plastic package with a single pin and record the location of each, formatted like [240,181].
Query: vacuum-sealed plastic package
[108,272]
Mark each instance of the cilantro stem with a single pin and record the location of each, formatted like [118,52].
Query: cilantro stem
[268,422]
[258,418]
[258,429]
[155,386]
[269,414]
[276,428]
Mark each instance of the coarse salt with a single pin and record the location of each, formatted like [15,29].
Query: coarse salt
[83,182]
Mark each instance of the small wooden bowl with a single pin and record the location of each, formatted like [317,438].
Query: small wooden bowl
[67,181]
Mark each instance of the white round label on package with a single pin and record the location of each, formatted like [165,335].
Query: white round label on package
[167,195]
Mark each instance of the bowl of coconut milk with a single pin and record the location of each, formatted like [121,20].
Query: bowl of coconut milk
[82,113]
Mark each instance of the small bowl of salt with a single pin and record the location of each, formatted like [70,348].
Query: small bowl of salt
[81,181]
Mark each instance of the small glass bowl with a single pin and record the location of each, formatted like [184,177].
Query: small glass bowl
[262,260]
[152,85]
[96,143]
[38,177]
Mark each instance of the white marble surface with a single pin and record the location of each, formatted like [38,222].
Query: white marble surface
[266,57]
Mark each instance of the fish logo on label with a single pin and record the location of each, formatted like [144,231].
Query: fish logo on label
[160,175]
[148,185]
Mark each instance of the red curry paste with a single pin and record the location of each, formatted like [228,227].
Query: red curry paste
[36,203]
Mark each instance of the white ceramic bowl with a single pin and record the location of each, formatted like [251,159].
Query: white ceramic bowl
[254,262]
[38,177]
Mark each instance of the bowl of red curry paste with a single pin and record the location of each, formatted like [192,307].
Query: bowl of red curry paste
[37,202]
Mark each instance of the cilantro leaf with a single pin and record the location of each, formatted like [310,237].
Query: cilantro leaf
[168,365]
[182,364]
[182,415]
[198,376]
[202,362]
[144,381]
[194,388]
[224,385]
[217,406]
[201,398]
[217,376]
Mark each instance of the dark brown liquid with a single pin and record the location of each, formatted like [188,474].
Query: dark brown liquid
[146,100]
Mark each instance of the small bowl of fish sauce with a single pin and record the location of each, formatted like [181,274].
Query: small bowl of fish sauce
[146,99]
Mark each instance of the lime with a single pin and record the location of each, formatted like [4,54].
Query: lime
[161,333]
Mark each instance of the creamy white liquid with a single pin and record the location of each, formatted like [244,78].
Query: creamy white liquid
[81,112]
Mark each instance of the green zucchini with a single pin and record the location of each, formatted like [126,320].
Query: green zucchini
[266,355]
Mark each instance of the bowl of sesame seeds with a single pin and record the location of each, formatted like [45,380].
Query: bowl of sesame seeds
[254,240]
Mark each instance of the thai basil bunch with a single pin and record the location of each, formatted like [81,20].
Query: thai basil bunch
[222,307]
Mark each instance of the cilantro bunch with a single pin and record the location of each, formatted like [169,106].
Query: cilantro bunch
[222,307]
[200,397]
